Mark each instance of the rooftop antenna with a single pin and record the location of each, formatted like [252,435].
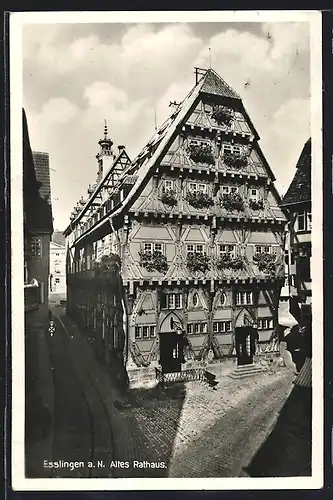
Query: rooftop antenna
[105,129]
[210,58]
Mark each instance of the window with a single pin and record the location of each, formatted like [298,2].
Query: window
[222,326]
[263,249]
[301,222]
[196,328]
[57,280]
[223,299]
[309,221]
[173,301]
[36,247]
[229,148]
[265,324]
[191,248]
[150,247]
[168,185]
[145,331]
[229,189]
[57,254]
[254,194]
[244,298]
[195,187]
[195,300]
[230,249]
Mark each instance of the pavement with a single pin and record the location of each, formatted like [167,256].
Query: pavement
[195,430]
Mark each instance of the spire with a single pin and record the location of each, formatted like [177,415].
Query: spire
[105,143]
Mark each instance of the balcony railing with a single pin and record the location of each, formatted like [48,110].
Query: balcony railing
[31,297]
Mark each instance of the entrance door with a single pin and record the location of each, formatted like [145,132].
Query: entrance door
[244,345]
[170,352]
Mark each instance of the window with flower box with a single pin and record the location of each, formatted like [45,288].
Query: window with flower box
[227,249]
[149,247]
[196,328]
[192,248]
[265,323]
[145,331]
[229,189]
[221,326]
[244,298]
[168,185]
[263,249]
[195,187]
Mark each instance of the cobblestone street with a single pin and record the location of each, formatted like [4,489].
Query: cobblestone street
[196,430]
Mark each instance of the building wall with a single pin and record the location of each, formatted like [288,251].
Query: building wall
[38,265]
[57,268]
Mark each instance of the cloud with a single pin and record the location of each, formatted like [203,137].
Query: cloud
[74,78]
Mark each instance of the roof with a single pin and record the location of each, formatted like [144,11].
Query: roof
[151,154]
[41,162]
[59,238]
[299,190]
[54,245]
[214,84]
[304,378]
[42,210]
[121,155]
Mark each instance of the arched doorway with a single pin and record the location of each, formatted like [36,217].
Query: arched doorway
[171,344]
[245,337]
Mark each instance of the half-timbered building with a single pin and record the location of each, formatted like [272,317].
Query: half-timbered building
[194,227]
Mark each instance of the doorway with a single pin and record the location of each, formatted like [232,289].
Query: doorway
[170,352]
[244,345]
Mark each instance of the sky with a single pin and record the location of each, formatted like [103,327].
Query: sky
[77,75]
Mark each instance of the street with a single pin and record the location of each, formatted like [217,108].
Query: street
[196,431]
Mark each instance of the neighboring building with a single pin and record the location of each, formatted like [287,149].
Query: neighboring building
[42,225]
[38,224]
[59,237]
[196,224]
[57,268]
[297,203]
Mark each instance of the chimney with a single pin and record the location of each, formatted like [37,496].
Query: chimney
[121,148]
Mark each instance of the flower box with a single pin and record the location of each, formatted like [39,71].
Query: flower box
[232,201]
[199,200]
[227,261]
[256,204]
[197,262]
[169,197]
[222,115]
[201,153]
[235,161]
[153,261]
[266,262]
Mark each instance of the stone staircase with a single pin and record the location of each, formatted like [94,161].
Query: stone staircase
[246,371]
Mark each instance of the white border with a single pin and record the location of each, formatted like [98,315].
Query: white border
[19,482]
